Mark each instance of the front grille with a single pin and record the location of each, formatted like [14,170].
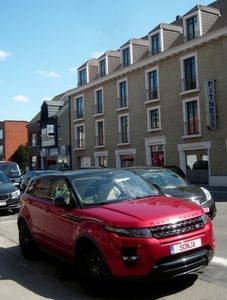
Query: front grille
[4,197]
[176,228]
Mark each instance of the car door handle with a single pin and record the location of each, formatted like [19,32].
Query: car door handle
[47,208]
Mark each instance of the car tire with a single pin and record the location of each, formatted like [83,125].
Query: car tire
[26,242]
[92,271]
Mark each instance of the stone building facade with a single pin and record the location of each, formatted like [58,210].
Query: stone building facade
[158,100]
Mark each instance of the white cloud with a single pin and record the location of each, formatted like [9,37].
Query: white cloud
[21,99]
[50,74]
[4,55]
[73,69]
[96,54]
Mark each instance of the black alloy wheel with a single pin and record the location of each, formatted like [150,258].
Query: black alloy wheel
[26,242]
[92,271]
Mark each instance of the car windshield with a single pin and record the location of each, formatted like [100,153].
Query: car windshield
[10,168]
[3,178]
[112,187]
[162,178]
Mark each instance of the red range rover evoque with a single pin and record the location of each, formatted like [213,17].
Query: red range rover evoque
[113,225]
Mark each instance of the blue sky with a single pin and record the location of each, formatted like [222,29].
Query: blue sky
[43,42]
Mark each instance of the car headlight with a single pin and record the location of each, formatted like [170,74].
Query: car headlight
[15,194]
[130,232]
[205,218]
[207,193]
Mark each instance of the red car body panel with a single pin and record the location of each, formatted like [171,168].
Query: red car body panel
[58,229]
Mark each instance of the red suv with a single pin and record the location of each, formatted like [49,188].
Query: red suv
[113,225]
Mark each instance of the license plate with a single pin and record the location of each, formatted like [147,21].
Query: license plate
[206,209]
[2,203]
[185,246]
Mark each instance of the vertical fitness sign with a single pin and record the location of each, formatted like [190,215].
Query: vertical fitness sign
[211,118]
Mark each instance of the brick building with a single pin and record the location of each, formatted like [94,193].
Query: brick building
[12,135]
[160,99]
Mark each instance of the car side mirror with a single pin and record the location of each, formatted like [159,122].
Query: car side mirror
[60,201]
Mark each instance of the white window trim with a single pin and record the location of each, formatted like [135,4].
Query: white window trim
[75,135]
[160,32]
[130,54]
[96,132]
[119,153]
[95,100]
[106,65]
[148,118]
[199,20]
[182,59]
[184,102]
[147,83]
[153,141]
[87,74]
[120,129]
[75,107]
[118,92]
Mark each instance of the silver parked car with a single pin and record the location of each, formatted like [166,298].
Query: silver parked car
[171,184]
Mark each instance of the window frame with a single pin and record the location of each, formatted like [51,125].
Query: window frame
[78,140]
[119,95]
[130,59]
[97,135]
[147,74]
[149,121]
[76,114]
[96,97]
[151,35]
[183,73]
[121,133]
[185,25]
[186,125]
[83,76]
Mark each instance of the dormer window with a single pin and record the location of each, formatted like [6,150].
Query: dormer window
[82,77]
[192,28]
[126,57]
[102,68]
[155,44]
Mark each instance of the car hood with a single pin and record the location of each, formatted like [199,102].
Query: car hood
[145,212]
[7,188]
[188,192]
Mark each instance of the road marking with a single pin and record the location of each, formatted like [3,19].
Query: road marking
[219,260]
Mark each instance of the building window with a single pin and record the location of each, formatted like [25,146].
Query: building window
[79,136]
[102,68]
[157,155]
[1,150]
[153,118]
[1,134]
[152,80]
[122,94]
[99,133]
[82,77]
[155,44]
[123,129]
[33,163]
[126,57]
[192,28]
[99,101]
[189,73]
[191,117]
[79,108]
[33,140]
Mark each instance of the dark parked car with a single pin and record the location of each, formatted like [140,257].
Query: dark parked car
[11,169]
[171,184]
[31,174]
[176,170]
[113,224]
[9,194]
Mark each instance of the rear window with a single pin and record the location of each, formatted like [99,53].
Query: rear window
[10,168]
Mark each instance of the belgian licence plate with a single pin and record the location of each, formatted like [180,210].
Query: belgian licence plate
[2,203]
[206,209]
[185,246]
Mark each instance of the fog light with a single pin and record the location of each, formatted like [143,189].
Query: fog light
[128,258]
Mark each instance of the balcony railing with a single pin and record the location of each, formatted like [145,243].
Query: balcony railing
[99,141]
[79,143]
[78,114]
[152,94]
[98,109]
[191,36]
[189,83]
[123,137]
[122,102]
[192,127]
[153,52]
